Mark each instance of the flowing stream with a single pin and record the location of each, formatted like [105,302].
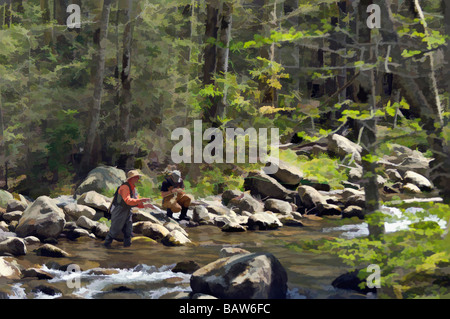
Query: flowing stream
[145,270]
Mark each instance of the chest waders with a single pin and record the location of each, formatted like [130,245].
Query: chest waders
[121,219]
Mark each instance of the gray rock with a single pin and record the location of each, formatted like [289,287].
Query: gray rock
[14,246]
[42,219]
[342,146]
[100,179]
[101,230]
[86,223]
[9,268]
[233,227]
[202,216]
[242,276]
[229,195]
[411,189]
[231,251]
[49,250]
[38,273]
[394,175]
[259,183]
[12,216]
[95,200]
[151,230]
[15,205]
[74,211]
[310,197]
[144,216]
[175,238]
[419,180]
[246,203]
[5,197]
[328,210]
[353,211]
[186,267]
[278,206]
[263,221]
[286,173]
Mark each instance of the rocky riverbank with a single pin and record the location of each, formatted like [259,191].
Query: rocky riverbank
[283,199]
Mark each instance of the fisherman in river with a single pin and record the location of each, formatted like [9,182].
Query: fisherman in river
[175,199]
[124,200]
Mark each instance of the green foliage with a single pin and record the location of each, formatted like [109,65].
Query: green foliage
[407,259]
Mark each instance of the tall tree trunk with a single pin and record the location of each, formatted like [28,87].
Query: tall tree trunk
[225,22]
[46,17]
[368,129]
[125,100]
[446,10]
[98,88]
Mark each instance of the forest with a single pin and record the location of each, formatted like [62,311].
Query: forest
[87,83]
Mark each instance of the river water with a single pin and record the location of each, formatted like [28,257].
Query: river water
[144,270]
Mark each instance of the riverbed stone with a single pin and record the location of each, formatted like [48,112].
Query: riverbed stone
[342,146]
[259,183]
[49,250]
[12,216]
[9,268]
[14,246]
[419,180]
[310,197]
[74,211]
[353,211]
[42,219]
[278,206]
[242,276]
[263,221]
[5,196]
[95,200]
[86,223]
[15,205]
[175,238]
[246,203]
[287,174]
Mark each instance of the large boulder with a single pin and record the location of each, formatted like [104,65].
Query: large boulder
[175,238]
[14,205]
[310,197]
[202,216]
[242,276]
[151,230]
[102,179]
[42,219]
[263,221]
[342,146]
[14,246]
[74,211]
[49,250]
[9,268]
[5,196]
[95,200]
[86,223]
[405,159]
[278,206]
[419,180]
[259,183]
[246,203]
[286,174]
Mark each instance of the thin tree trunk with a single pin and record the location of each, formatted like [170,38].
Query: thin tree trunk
[446,10]
[125,100]
[98,88]
[225,21]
